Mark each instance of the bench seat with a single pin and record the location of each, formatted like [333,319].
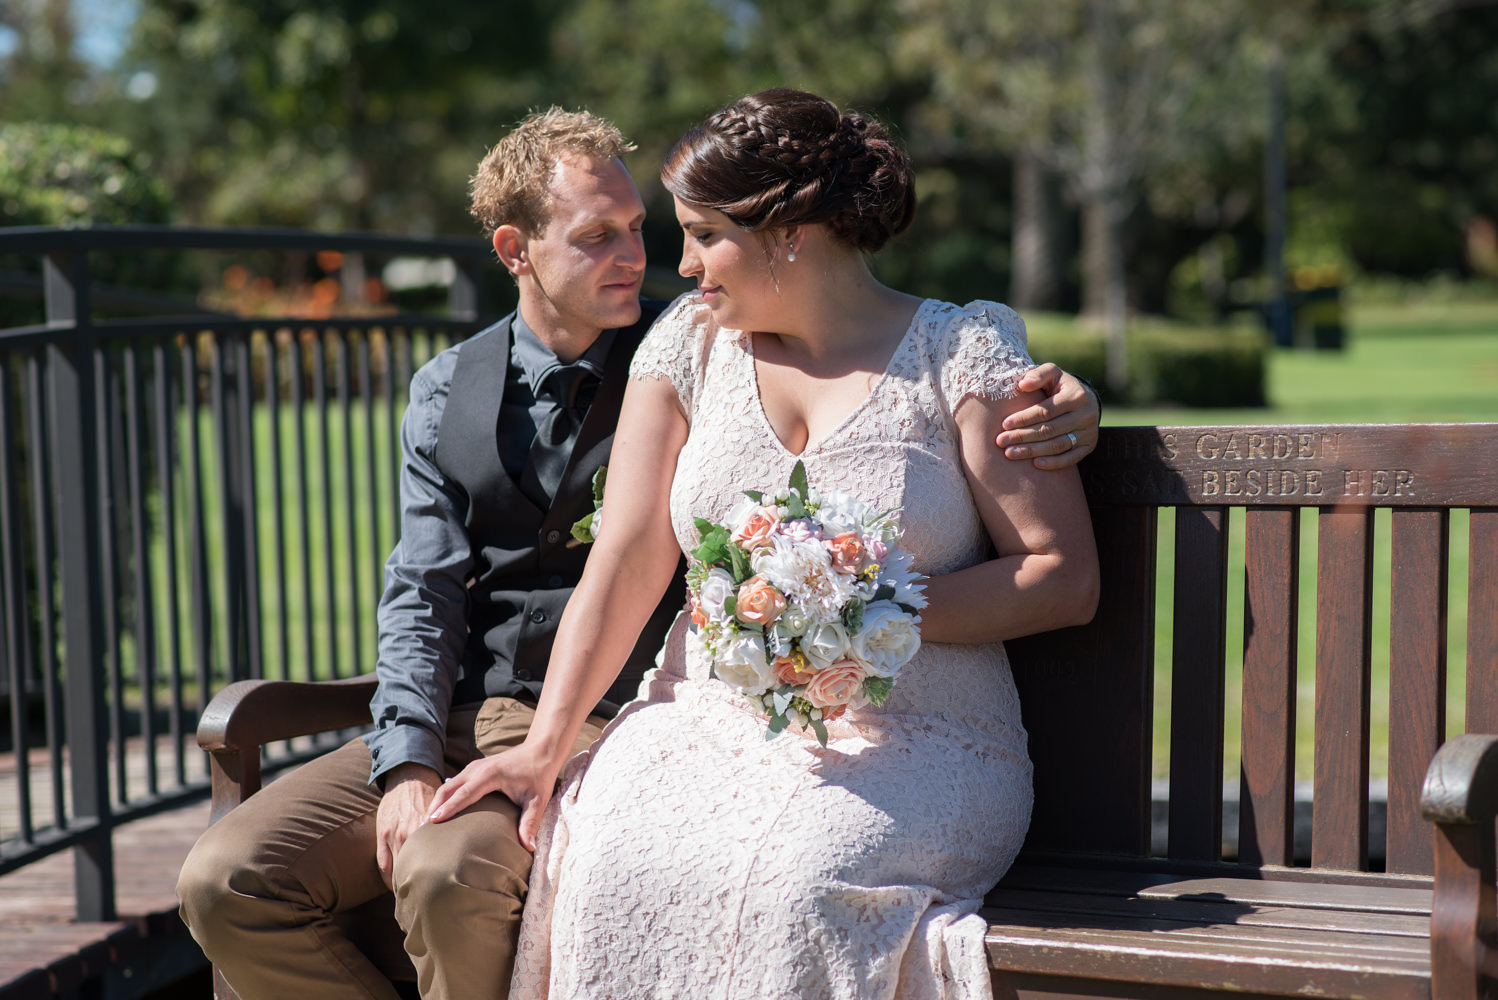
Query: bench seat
[1060,931]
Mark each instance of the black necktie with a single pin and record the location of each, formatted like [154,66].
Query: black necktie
[569,389]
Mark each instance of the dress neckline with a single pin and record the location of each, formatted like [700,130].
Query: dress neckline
[817,443]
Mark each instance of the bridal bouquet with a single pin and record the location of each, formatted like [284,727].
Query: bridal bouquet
[804,603]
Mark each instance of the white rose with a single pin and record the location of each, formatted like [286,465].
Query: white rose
[717,587]
[824,642]
[741,664]
[887,641]
[793,621]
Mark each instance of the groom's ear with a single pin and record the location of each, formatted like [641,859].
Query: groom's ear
[510,247]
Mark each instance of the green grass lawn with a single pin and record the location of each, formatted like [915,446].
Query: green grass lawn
[1429,362]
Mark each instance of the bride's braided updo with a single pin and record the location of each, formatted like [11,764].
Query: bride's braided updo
[786,158]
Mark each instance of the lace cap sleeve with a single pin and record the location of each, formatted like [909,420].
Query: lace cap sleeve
[674,348]
[984,353]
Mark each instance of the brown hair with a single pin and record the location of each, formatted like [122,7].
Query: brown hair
[510,187]
[785,158]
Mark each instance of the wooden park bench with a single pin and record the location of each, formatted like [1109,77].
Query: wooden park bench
[1092,908]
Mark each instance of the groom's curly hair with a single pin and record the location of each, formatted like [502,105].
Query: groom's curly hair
[512,184]
[786,158]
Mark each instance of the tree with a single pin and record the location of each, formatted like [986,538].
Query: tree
[341,114]
[1106,93]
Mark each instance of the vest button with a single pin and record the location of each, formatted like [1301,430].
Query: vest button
[554,582]
[553,536]
[538,617]
[522,674]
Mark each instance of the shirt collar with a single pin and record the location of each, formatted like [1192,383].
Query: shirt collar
[536,360]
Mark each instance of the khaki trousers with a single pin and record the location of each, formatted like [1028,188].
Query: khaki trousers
[266,891]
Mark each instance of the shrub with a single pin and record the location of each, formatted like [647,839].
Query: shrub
[1189,367]
[73,176]
[69,175]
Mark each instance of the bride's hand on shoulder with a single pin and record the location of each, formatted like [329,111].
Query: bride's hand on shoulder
[519,774]
[1059,429]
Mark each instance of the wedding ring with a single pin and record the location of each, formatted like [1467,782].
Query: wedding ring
[1070,436]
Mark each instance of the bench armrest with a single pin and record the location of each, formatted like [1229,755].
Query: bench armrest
[1460,797]
[248,714]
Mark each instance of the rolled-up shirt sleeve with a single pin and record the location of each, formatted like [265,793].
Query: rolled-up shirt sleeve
[423,612]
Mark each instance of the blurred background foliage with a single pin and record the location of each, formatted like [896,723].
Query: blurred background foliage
[1102,157]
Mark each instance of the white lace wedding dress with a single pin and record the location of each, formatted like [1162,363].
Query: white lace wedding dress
[687,856]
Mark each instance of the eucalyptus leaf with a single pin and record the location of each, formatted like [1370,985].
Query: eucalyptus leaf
[599,478]
[777,726]
[783,698]
[820,728]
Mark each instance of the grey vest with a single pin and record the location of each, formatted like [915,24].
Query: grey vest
[524,569]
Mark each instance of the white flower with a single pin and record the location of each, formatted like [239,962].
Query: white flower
[805,574]
[793,621]
[717,587]
[824,642]
[741,664]
[897,571]
[887,640]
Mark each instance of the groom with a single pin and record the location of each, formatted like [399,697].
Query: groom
[500,442]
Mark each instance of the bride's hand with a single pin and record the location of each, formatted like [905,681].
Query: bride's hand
[518,774]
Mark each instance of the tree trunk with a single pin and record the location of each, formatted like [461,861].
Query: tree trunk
[1105,281]
[1039,241]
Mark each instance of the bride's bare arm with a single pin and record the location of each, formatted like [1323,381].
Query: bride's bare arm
[1045,575]
[631,565]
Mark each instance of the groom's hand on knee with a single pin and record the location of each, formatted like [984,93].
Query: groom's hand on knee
[409,790]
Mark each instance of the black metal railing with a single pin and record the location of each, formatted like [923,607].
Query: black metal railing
[186,500]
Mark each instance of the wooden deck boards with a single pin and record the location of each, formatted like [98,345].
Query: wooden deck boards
[44,950]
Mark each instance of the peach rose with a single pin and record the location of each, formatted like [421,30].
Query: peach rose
[788,670]
[699,617]
[759,529]
[847,552]
[839,684]
[758,601]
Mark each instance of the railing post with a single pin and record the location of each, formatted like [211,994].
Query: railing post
[70,368]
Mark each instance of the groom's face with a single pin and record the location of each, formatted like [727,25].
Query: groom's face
[586,266]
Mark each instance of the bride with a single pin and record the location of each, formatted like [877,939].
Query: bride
[685,854]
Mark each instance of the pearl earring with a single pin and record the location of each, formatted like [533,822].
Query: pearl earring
[791,257]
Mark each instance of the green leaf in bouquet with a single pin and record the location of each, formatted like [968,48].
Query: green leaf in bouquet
[783,698]
[853,617]
[778,724]
[599,478]
[877,689]
[908,609]
[755,495]
[798,479]
[715,547]
[730,604]
[740,560]
[885,592]
[820,728]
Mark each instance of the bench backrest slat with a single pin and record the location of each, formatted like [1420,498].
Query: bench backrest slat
[1088,692]
[1097,681]
[1482,621]
[1419,557]
[1271,563]
[1199,628]
[1344,602]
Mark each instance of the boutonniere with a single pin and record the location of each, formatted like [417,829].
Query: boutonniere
[585,530]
